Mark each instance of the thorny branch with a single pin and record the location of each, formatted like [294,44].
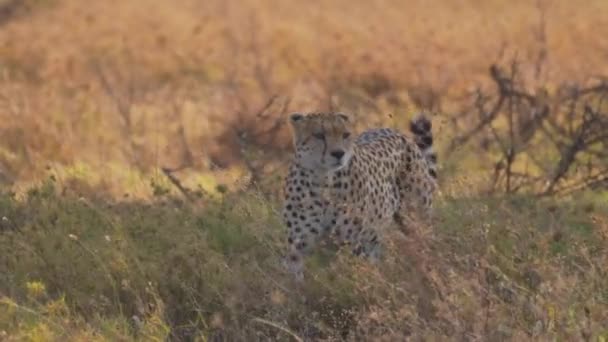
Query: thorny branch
[519,122]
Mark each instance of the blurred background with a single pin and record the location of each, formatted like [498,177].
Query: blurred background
[143,145]
[112,92]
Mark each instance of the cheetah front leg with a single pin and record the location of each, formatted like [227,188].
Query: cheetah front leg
[305,229]
[362,240]
[294,261]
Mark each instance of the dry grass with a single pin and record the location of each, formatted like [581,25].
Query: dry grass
[122,87]
[489,269]
[97,244]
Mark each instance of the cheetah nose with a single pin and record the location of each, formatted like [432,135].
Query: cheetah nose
[338,154]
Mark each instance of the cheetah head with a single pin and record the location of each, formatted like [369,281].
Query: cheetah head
[323,141]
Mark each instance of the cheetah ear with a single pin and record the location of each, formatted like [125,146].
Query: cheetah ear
[295,117]
[296,121]
[344,117]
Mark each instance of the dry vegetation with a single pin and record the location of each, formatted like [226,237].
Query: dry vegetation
[142,144]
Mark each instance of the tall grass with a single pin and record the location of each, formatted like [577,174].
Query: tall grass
[489,268]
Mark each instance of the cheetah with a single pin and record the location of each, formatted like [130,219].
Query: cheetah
[351,188]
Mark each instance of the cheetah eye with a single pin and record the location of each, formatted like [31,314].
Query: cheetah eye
[346,135]
[319,136]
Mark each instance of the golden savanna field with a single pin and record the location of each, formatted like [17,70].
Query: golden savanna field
[143,144]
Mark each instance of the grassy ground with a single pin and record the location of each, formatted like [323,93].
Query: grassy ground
[488,269]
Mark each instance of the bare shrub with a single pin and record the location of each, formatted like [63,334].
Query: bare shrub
[546,141]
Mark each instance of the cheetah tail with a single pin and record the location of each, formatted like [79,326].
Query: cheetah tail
[423,136]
